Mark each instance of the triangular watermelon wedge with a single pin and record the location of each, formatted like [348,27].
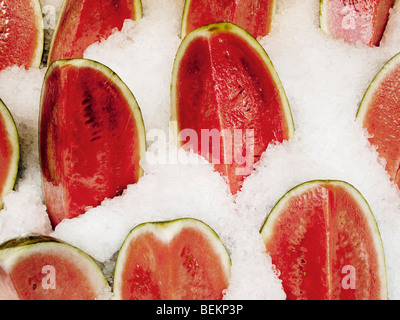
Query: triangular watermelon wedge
[379,114]
[82,23]
[227,100]
[9,152]
[21,33]
[355,20]
[92,137]
[255,16]
[323,238]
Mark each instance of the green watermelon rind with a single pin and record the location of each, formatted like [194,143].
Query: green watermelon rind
[26,240]
[323,16]
[64,3]
[137,4]
[374,86]
[13,250]
[166,230]
[115,79]
[13,138]
[186,8]
[138,9]
[184,18]
[268,226]
[207,31]
[38,56]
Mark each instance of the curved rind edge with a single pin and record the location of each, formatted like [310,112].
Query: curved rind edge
[38,56]
[323,21]
[137,4]
[64,3]
[183,33]
[374,85]
[273,13]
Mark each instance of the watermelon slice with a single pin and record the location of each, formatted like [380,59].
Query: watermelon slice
[355,20]
[379,114]
[91,137]
[182,259]
[82,23]
[21,33]
[255,16]
[44,268]
[227,100]
[9,152]
[323,238]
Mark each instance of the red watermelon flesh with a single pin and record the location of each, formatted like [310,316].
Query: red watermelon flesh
[21,33]
[42,268]
[355,20]
[225,89]
[255,16]
[179,260]
[324,240]
[379,114]
[82,23]
[91,137]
